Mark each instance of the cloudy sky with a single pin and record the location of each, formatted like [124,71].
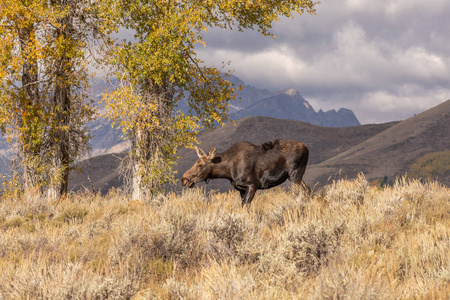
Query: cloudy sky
[386,59]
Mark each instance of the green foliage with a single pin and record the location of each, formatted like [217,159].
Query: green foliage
[73,213]
[431,166]
[44,78]
[11,186]
[43,87]
[158,269]
[159,66]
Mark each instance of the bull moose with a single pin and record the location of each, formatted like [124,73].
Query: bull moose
[251,167]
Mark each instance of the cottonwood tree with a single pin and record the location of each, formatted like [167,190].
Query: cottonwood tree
[43,84]
[159,66]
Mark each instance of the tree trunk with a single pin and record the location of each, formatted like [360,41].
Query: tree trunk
[58,185]
[148,161]
[29,102]
[137,192]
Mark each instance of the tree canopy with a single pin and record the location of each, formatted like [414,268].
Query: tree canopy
[43,87]
[44,51]
[159,66]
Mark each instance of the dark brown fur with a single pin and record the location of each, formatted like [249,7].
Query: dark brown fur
[250,167]
[270,145]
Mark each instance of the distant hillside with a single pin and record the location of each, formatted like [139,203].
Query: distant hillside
[323,142]
[105,138]
[97,174]
[378,150]
[393,151]
[435,166]
[251,101]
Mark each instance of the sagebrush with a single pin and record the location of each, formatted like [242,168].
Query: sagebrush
[347,241]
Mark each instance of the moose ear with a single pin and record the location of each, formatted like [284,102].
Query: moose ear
[200,152]
[212,153]
[216,160]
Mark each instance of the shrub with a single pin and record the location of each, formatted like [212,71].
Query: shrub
[349,240]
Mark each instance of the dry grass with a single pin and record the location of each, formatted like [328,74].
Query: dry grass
[348,241]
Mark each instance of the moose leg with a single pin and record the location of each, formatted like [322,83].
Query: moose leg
[298,170]
[248,195]
[297,178]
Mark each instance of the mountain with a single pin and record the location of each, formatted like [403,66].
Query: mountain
[289,104]
[332,118]
[392,151]
[286,104]
[106,138]
[323,143]
[251,101]
[246,95]
[97,174]
[378,150]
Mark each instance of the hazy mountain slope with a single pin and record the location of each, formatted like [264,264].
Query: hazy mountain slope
[285,104]
[377,150]
[97,173]
[289,104]
[106,138]
[392,151]
[332,118]
[246,96]
[323,143]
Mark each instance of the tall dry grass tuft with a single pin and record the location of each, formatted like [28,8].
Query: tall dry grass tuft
[347,241]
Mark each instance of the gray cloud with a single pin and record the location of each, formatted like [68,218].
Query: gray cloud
[386,60]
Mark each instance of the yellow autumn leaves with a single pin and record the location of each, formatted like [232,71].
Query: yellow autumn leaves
[156,68]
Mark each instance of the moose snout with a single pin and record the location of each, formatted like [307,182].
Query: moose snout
[185,181]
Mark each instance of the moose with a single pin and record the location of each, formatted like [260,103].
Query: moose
[251,167]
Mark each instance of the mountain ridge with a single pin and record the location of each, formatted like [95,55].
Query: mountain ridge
[377,150]
[290,104]
[405,142]
[323,142]
[284,104]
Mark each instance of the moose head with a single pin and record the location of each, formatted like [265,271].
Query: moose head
[202,169]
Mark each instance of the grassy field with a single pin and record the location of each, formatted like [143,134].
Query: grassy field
[347,241]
